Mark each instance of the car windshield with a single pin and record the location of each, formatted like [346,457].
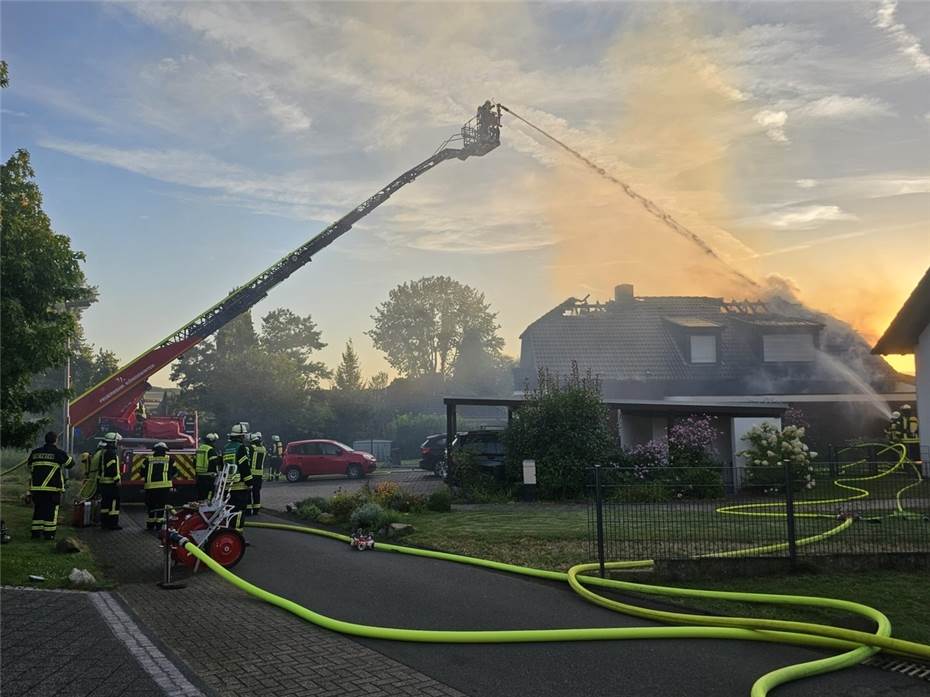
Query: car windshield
[342,445]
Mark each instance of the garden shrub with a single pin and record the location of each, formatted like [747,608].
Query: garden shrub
[471,483]
[644,492]
[440,500]
[564,427]
[768,452]
[308,511]
[384,493]
[317,501]
[343,503]
[368,516]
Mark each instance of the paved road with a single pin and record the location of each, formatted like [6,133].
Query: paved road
[400,591]
[276,495]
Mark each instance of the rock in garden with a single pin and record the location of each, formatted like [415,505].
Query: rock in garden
[69,545]
[400,529]
[81,577]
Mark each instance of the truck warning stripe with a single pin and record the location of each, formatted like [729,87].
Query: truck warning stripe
[183,462]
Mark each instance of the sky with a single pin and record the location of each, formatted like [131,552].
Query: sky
[184,147]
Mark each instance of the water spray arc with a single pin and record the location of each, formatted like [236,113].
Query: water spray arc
[652,207]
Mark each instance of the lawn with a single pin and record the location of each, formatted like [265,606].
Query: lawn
[24,556]
[555,537]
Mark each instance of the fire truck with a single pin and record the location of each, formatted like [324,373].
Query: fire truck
[111,404]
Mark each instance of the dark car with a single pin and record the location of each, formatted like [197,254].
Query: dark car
[432,451]
[487,445]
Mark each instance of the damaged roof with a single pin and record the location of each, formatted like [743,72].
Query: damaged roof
[645,339]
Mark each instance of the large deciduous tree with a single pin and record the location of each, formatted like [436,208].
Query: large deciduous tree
[420,326]
[42,281]
[264,378]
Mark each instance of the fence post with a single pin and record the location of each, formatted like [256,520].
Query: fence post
[599,514]
[789,514]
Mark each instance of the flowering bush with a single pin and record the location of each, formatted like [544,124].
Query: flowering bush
[384,493]
[770,449]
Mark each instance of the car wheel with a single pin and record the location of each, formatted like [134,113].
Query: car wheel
[293,475]
[355,471]
[441,469]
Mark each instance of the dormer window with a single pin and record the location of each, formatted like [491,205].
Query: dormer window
[783,348]
[703,348]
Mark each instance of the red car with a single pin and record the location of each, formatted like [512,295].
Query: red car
[303,458]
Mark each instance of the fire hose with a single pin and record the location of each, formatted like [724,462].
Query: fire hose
[855,645]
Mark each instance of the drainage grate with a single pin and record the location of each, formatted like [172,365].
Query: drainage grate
[915,670]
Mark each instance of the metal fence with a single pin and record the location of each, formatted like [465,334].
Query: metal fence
[864,506]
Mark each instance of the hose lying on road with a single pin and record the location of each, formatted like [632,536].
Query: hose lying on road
[856,645]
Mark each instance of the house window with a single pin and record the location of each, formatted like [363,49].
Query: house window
[703,348]
[778,348]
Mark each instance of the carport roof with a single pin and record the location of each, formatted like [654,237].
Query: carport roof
[647,406]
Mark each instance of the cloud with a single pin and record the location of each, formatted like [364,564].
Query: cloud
[839,107]
[774,124]
[808,244]
[908,44]
[805,217]
[806,183]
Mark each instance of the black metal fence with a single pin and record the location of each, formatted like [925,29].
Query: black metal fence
[864,506]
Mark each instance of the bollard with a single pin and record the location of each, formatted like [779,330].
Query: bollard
[166,583]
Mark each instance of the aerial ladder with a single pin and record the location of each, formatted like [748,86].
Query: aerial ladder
[116,396]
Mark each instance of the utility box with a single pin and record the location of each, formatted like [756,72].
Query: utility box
[381,449]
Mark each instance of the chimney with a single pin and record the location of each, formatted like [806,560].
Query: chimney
[623,293]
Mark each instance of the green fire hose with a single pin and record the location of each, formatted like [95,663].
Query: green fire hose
[855,645]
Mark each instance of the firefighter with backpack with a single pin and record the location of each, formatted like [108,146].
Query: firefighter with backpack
[157,472]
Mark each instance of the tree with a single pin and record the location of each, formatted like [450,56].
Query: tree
[420,326]
[4,75]
[349,372]
[478,372]
[288,334]
[89,366]
[564,427]
[266,379]
[379,381]
[42,281]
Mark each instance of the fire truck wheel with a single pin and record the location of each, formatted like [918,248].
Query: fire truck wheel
[226,547]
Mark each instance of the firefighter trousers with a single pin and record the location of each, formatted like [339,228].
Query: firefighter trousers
[155,502]
[45,513]
[109,506]
[255,503]
[239,499]
[204,486]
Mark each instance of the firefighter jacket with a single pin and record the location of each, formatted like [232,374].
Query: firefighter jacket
[237,454]
[157,471]
[107,465]
[257,461]
[207,460]
[45,465]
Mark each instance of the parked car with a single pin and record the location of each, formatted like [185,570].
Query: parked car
[486,444]
[304,458]
[432,451]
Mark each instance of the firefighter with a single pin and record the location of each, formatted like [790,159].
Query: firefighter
[909,424]
[257,456]
[275,458]
[157,473]
[237,453]
[47,483]
[895,429]
[108,481]
[207,462]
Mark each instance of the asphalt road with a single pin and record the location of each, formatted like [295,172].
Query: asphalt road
[401,591]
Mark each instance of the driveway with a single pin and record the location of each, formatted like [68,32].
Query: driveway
[401,591]
[276,495]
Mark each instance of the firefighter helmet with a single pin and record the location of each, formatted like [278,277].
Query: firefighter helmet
[160,445]
[211,437]
[256,437]
[895,415]
[276,438]
[112,437]
[238,430]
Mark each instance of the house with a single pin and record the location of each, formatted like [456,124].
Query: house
[706,350]
[909,333]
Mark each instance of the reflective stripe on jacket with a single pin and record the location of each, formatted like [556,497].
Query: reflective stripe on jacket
[45,465]
[257,463]
[157,471]
[237,454]
[109,465]
[207,459]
